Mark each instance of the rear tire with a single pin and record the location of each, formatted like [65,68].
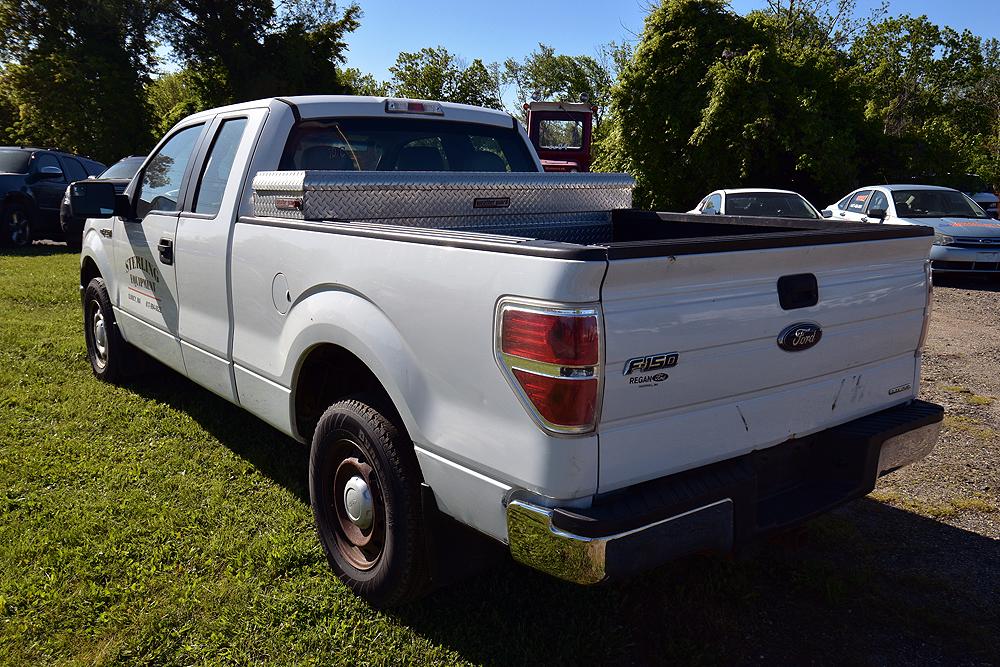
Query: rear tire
[15,226]
[364,485]
[111,358]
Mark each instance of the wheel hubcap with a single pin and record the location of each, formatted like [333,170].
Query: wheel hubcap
[18,228]
[358,502]
[358,507]
[100,336]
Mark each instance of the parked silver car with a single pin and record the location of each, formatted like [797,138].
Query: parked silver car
[966,239]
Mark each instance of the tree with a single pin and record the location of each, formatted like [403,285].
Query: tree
[171,98]
[924,88]
[363,84]
[250,49]
[710,100]
[437,74]
[75,73]
[561,78]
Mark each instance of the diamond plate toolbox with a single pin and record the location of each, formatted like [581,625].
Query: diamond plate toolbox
[451,199]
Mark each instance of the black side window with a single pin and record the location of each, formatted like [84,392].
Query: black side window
[218,165]
[43,160]
[74,170]
[878,200]
[161,180]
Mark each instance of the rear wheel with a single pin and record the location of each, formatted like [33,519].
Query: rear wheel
[15,226]
[364,485]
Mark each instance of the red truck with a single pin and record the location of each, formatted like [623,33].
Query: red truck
[561,133]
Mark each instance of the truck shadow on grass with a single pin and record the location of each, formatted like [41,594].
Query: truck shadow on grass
[45,249]
[867,584]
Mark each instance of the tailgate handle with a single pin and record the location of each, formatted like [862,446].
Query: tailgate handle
[798,291]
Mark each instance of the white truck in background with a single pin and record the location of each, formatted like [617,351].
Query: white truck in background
[601,389]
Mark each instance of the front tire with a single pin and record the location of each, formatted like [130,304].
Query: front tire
[15,226]
[111,358]
[364,485]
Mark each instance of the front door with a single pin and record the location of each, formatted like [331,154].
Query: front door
[144,249]
[48,187]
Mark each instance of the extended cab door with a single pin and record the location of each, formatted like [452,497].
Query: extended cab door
[144,254]
[202,247]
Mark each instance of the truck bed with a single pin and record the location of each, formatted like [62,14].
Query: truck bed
[567,216]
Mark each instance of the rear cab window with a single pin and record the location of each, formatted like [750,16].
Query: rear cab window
[404,144]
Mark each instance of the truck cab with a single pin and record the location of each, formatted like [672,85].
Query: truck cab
[561,133]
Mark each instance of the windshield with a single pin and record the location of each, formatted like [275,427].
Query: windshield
[124,168]
[935,204]
[404,144]
[769,204]
[14,162]
[560,135]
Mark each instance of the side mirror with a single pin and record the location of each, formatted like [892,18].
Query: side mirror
[94,199]
[877,213]
[826,213]
[48,173]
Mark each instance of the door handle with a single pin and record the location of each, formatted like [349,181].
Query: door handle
[166,248]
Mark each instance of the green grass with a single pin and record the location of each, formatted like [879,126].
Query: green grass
[157,524]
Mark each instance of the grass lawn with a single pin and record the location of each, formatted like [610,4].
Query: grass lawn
[157,524]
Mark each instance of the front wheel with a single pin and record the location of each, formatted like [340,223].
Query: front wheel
[15,226]
[364,485]
[111,358]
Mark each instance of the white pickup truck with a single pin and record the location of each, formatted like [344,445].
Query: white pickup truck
[600,388]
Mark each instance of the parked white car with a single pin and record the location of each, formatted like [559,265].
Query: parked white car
[756,202]
[966,239]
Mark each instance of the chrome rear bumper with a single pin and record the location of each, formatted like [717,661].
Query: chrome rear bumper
[718,507]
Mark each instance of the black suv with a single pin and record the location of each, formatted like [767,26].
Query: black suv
[32,183]
[119,174]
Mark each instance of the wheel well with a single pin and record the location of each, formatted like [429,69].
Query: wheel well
[19,198]
[327,374]
[88,272]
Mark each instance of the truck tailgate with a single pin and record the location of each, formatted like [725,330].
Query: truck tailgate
[732,388]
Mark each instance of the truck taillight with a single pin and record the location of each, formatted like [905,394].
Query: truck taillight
[928,308]
[551,356]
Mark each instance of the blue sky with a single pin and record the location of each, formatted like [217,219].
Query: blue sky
[495,32]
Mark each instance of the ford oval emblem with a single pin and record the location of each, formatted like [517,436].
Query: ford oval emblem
[799,336]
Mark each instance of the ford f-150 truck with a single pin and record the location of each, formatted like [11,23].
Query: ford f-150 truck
[456,333]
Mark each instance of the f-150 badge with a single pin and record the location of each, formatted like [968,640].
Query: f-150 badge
[799,336]
[651,362]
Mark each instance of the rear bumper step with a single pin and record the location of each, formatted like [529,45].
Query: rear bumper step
[720,506]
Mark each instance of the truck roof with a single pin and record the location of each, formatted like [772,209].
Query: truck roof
[326,106]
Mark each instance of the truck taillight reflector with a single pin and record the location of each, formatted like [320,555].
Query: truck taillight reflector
[551,356]
[550,338]
[560,401]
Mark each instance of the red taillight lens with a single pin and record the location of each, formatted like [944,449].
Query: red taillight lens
[567,340]
[552,358]
[560,401]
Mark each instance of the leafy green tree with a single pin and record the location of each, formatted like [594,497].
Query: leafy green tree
[249,49]
[983,145]
[924,88]
[712,99]
[75,74]
[561,78]
[172,97]
[359,83]
[437,74]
